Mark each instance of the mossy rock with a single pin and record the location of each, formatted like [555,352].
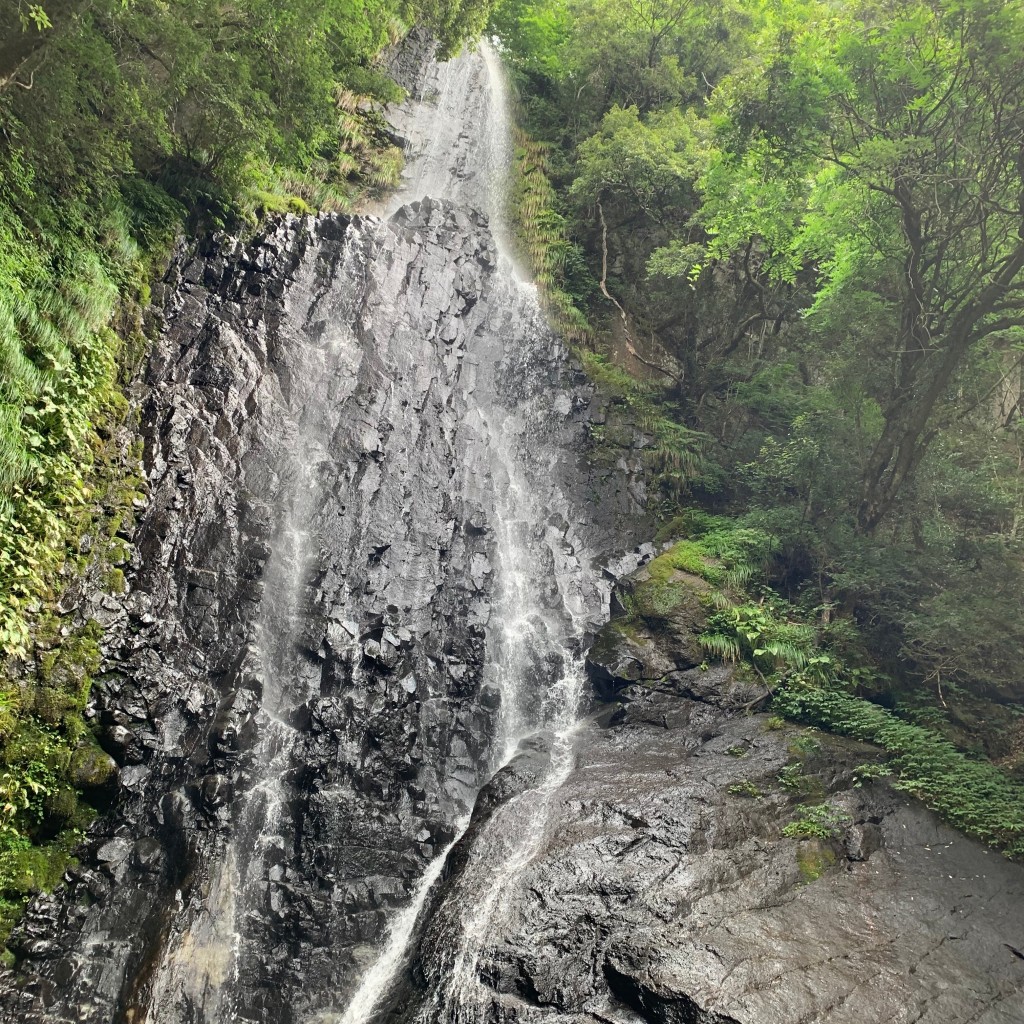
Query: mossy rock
[814,858]
[669,601]
[623,653]
[93,770]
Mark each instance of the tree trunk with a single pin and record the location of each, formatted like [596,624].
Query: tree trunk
[905,434]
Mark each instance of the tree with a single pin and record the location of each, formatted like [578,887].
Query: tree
[917,107]
[932,121]
[26,28]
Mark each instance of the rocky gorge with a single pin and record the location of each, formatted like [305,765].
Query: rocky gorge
[351,663]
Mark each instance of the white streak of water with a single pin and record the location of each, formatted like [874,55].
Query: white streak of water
[380,976]
[460,149]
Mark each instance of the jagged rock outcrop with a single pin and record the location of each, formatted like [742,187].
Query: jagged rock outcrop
[337,416]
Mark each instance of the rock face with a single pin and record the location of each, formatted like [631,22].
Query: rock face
[660,887]
[369,557]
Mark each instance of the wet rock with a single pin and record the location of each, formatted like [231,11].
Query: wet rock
[524,771]
[148,856]
[114,852]
[616,659]
[628,980]
[662,887]
[215,792]
[381,652]
[125,745]
[296,692]
[490,697]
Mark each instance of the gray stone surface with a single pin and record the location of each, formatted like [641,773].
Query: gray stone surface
[662,889]
[295,687]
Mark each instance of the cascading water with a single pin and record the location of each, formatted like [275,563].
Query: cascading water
[364,583]
[544,595]
[201,965]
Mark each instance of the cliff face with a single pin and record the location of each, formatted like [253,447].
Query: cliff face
[368,562]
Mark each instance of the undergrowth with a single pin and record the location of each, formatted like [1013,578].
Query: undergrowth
[541,230]
[672,452]
[973,795]
[816,821]
[808,668]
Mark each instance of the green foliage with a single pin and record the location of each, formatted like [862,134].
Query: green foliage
[675,453]
[792,777]
[869,772]
[783,214]
[805,666]
[758,632]
[653,162]
[557,264]
[745,788]
[975,796]
[816,821]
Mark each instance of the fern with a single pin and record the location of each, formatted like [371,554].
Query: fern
[975,796]
[722,646]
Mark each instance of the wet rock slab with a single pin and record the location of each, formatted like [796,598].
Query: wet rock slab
[665,892]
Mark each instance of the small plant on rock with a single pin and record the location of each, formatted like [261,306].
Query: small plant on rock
[744,788]
[816,821]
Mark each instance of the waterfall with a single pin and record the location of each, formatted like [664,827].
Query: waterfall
[366,577]
[533,656]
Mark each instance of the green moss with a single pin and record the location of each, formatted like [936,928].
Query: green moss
[91,766]
[115,582]
[745,788]
[657,599]
[59,691]
[631,629]
[26,869]
[274,202]
[663,592]
[813,860]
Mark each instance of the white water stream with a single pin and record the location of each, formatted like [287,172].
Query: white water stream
[460,148]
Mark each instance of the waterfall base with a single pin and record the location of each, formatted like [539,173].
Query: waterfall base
[665,893]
